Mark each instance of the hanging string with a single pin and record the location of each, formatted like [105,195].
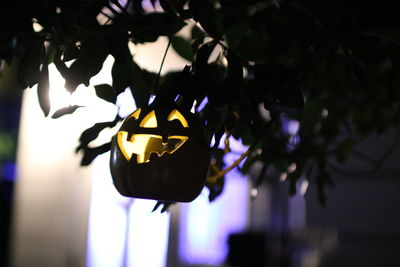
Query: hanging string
[161,66]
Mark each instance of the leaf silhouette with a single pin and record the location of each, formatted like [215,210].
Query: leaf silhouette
[43,90]
[65,111]
[91,133]
[182,47]
[106,92]
[205,13]
[89,153]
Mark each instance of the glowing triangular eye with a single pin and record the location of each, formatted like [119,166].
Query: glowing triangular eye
[150,121]
[135,114]
[176,115]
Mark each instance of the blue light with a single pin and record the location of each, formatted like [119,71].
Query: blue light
[8,171]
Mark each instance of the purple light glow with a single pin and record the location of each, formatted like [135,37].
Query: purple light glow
[205,227]
[202,104]
[289,126]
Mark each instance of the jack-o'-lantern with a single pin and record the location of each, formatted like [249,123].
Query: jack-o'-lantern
[160,153]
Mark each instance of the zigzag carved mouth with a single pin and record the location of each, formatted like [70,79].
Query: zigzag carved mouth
[144,144]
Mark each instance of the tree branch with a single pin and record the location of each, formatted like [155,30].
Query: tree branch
[213,179]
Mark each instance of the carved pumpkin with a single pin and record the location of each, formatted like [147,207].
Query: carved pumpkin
[160,153]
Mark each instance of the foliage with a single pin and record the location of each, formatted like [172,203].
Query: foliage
[333,66]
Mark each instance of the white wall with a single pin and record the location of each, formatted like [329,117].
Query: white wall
[52,191]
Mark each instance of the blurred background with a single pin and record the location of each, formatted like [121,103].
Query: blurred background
[55,213]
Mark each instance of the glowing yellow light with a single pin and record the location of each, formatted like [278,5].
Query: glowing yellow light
[176,115]
[150,121]
[136,114]
[144,144]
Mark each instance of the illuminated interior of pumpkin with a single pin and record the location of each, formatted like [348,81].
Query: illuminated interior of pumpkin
[150,121]
[135,114]
[144,144]
[176,115]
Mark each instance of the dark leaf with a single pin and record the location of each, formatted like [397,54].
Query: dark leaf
[168,7]
[216,189]
[91,133]
[43,90]
[122,72]
[215,120]
[106,92]
[149,27]
[143,86]
[182,47]
[242,130]
[165,206]
[248,163]
[89,153]
[65,111]
[217,136]
[202,56]
[157,205]
[88,64]
[126,73]
[197,33]
[129,74]
[255,47]
[51,53]
[70,53]
[236,32]
[29,67]
[62,68]
[234,75]
[205,13]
